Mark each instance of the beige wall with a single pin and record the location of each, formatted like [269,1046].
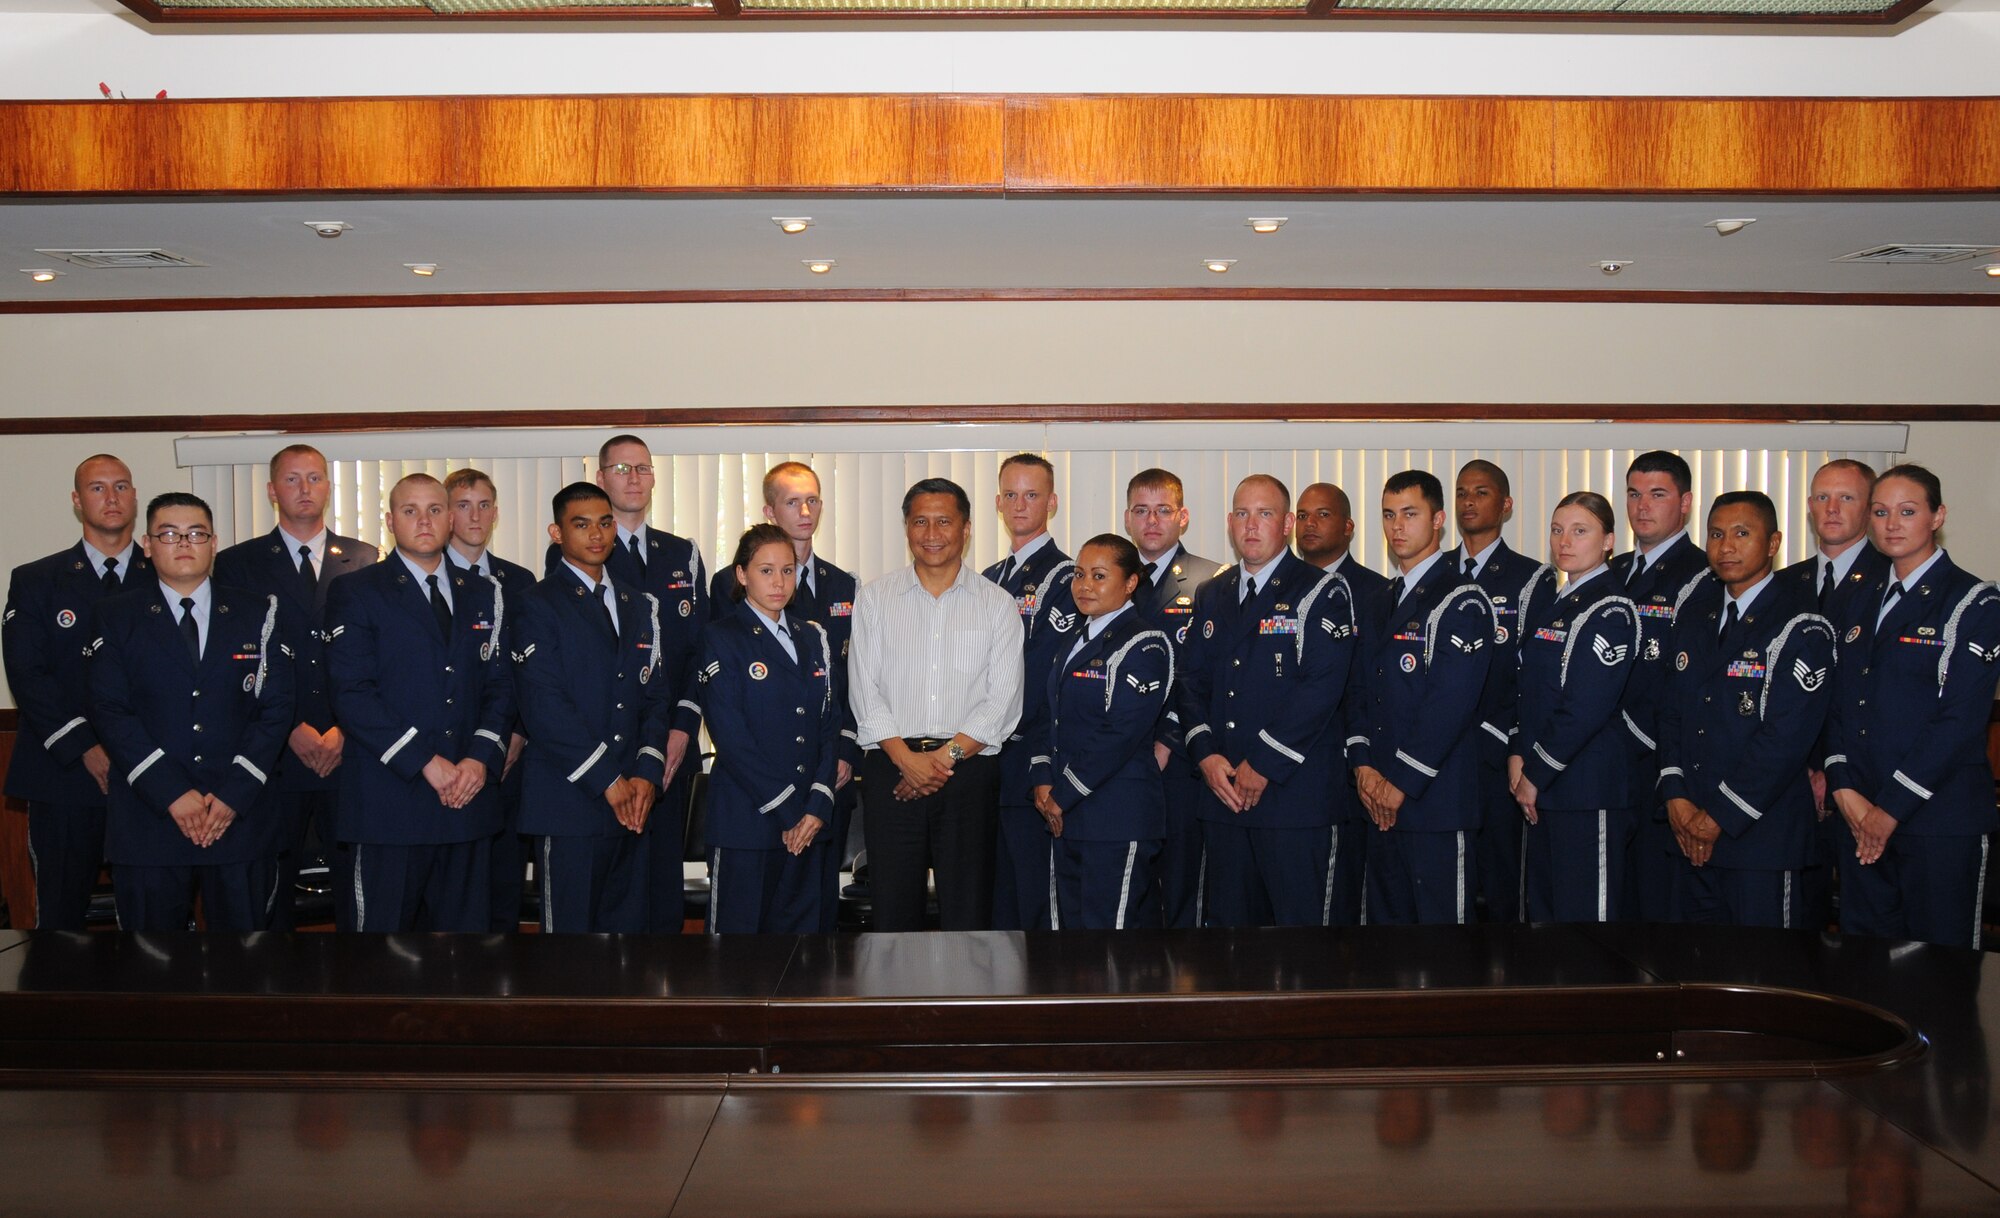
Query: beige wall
[1006,352]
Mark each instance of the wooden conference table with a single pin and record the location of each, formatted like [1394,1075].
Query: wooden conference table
[1381,1070]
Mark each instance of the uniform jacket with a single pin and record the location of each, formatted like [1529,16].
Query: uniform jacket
[269,565]
[45,628]
[1168,607]
[1667,579]
[1859,595]
[596,709]
[1426,661]
[405,692]
[1577,650]
[673,576]
[776,726]
[1911,703]
[1505,577]
[172,725]
[1049,622]
[1263,682]
[1095,746]
[830,602]
[1739,717]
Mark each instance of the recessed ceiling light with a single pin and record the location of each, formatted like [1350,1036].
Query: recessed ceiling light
[1611,266]
[1219,265]
[1725,227]
[41,274]
[1266,224]
[818,266]
[1992,269]
[426,269]
[327,228]
[793,224]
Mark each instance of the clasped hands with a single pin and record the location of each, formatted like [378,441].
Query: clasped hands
[319,750]
[926,773]
[1045,803]
[1694,830]
[631,799]
[455,782]
[1522,789]
[1870,824]
[202,818]
[1381,798]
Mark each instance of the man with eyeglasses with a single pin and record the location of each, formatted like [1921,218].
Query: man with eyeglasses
[297,562]
[1156,517]
[191,692]
[60,767]
[650,560]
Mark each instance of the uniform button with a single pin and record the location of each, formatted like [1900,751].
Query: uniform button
[621,676]
[798,710]
[1229,724]
[621,706]
[1864,731]
[1866,671]
[447,668]
[1236,663]
[195,694]
[802,769]
[1232,693]
[618,740]
[1862,702]
[1707,700]
[1701,731]
[197,759]
[447,701]
[798,740]
[197,727]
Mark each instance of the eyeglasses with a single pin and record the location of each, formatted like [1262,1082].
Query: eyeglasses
[624,469]
[174,537]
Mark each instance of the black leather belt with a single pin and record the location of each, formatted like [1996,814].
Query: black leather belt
[926,744]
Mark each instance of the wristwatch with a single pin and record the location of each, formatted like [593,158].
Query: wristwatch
[955,751]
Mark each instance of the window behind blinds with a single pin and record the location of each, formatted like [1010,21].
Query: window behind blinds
[709,481]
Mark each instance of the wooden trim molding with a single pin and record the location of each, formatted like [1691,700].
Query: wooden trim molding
[987,144]
[1028,412]
[412,300]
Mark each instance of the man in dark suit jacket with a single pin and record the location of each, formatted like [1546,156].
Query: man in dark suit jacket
[1844,575]
[668,567]
[60,768]
[1325,533]
[825,595]
[1658,574]
[1156,518]
[423,682]
[296,562]
[597,694]
[1484,501]
[190,687]
[475,507]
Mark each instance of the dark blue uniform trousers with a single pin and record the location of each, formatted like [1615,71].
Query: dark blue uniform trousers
[1104,885]
[1267,877]
[395,889]
[507,857]
[306,821]
[830,860]
[1577,865]
[1419,878]
[1655,870]
[236,898]
[1021,875]
[596,885]
[766,892]
[66,850]
[1180,852]
[1499,848]
[1728,896]
[1925,888]
[666,826]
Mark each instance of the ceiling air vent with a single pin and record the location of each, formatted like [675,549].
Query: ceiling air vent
[120,260]
[1925,254]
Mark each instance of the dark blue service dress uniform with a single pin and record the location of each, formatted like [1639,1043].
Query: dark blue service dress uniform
[1506,576]
[1168,606]
[775,719]
[828,599]
[269,566]
[1426,664]
[1262,682]
[407,689]
[670,570]
[173,724]
[1657,590]
[43,633]
[510,849]
[1351,823]
[597,707]
[1909,732]
[1578,647]
[1844,604]
[1739,720]
[1095,753]
[1040,585]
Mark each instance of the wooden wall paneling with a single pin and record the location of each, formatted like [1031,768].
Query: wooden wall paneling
[857,142]
[683,143]
[1777,144]
[528,143]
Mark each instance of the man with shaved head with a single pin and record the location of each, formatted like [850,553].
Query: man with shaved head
[59,769]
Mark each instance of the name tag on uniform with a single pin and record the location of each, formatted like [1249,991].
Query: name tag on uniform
[1278,625]
[1745,668]
[840,609]
[1547,635]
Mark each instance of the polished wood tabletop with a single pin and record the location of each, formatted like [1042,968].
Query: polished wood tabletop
[1910,1133]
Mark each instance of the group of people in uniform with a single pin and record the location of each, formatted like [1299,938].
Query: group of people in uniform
[1136,736]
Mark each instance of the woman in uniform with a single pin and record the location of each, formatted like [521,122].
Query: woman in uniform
[1093,773]
[1907,764]
[766,691]
[1566,766]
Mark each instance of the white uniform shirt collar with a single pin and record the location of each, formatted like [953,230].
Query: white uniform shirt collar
[1841,566]
[1479,559]
[1653,552]
[1415,575]
[422,577]
[477,559]
[96,558]
[1022,555]
[204,601]
[1164,563]
[1915,577]
[1749,597]
[1578,581]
